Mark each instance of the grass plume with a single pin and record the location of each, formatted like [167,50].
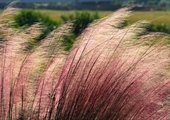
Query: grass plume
[111,73]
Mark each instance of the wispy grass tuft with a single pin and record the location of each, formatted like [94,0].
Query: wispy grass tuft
[110,73]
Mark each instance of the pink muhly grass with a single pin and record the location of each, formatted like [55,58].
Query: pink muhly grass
[109,74]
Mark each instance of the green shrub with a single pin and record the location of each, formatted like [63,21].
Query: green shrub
[28,17]
[68,41]
[80,20]
[159,28]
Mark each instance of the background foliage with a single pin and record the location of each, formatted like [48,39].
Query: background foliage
[28,17]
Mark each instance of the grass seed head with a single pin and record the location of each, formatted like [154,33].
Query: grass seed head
[110,73]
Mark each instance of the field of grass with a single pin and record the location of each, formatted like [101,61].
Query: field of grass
[110,73]
[156,17]
[55,15]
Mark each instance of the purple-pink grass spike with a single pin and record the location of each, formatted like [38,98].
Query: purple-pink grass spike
[111,73]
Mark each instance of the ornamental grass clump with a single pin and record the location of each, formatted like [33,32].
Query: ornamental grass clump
[110,73]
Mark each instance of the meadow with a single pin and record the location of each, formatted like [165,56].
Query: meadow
[155,17]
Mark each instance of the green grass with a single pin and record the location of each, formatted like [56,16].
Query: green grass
[155,17]
[55,14]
